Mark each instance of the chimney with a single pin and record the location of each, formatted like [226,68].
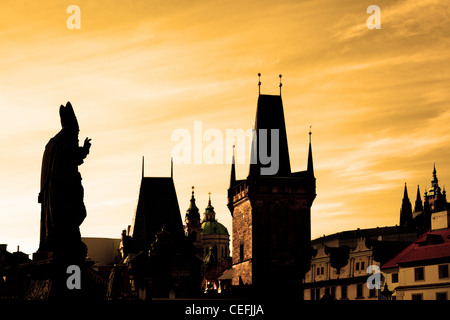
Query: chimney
[3,247]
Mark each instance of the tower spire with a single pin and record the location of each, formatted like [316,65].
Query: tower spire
[233,171]
[209,214]
[310,168]
[192,212]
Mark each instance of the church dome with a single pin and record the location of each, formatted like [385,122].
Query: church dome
[213,227]
[210,225]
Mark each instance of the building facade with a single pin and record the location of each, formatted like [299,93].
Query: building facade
[340,261]
[343,262]
[421,271]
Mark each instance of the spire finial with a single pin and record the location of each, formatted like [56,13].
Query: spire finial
[233,159]
[310,168]
[280,85]
[209,200]
[259,83]
[171,167]
[233,170]
[142,166]
[193,190]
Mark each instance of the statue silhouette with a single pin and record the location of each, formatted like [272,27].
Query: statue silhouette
[61,196]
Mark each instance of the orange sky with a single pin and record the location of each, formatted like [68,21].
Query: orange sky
[377,100]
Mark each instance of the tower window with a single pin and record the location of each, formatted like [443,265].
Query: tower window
[241,252]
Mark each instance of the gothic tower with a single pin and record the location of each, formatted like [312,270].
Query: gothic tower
[270,210]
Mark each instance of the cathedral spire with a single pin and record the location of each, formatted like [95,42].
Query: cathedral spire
[418,207]
[406,209]
[435,190]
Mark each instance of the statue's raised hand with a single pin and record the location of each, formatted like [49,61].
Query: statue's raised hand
[87,144]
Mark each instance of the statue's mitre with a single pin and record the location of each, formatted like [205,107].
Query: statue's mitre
[68,118]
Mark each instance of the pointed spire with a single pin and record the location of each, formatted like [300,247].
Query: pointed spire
[233,172]
[405,193]
[142,166]
[406,210]
[418,207]
[310,168]
[171,167]
[192,212]
[435,189]
[209,214]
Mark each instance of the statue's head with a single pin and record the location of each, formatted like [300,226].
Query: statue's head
[68,118]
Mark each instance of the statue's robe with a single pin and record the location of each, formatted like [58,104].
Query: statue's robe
[61,196]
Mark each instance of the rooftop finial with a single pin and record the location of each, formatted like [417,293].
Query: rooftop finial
[280,85]
[193,190]
[259,83]
[209,200]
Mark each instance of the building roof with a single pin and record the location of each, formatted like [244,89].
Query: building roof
[429,247]
[269,116]
[157,207]
[350,237]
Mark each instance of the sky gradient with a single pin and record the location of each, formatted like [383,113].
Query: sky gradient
[377,101]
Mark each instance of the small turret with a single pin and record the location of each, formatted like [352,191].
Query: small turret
[192,213]
[209,214]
